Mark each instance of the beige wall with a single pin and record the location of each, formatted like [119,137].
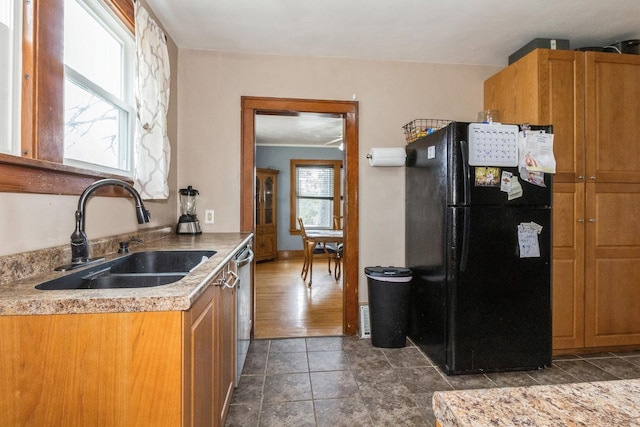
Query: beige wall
[390,94]
[36,221]
[204,129]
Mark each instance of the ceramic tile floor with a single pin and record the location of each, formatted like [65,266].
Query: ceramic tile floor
[345,381]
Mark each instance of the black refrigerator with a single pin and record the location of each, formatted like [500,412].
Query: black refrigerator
[481,287]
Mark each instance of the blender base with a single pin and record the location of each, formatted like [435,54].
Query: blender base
[188,225]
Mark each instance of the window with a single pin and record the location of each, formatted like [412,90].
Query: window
[98,89]
[36,163]
[316,192]
[10,76]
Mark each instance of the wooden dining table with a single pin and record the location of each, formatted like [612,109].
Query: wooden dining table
[322,237]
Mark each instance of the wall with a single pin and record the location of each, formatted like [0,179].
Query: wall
[390,94]
[279,158]
[36,221]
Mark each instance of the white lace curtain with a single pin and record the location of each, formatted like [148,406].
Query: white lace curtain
[152,152]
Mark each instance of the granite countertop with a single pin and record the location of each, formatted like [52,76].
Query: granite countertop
[20,297]
[606,403]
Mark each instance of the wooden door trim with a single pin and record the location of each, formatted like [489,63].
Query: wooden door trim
[349,111]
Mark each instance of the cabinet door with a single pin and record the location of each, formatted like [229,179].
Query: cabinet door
[98,369]
[546,87]
[269,200]
[258,201]
[225,358]
[200,360]
[612,293]
[265,246]
[568,266]
[612,117]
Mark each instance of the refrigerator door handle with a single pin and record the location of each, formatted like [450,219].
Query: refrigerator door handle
[466,173]
[466,183]
[466,220]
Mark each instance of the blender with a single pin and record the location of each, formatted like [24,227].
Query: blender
[188,222]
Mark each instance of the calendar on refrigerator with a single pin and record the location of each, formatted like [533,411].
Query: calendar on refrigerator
[492,144]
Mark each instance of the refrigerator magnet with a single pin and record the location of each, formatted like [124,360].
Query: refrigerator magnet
[505,181]
[487,177]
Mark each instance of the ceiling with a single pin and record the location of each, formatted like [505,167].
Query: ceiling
[302,130]
[475,32]
[481,32]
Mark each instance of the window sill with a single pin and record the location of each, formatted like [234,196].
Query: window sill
[25,175]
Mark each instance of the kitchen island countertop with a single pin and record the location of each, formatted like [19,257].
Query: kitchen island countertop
[20,297]
[604,403]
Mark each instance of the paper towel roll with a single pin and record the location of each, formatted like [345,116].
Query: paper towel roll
[386,156]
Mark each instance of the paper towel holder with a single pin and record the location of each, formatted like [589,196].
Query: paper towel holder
[387,156]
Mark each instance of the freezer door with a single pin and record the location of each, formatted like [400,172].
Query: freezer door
[498,297]
[481,185]
[425,203]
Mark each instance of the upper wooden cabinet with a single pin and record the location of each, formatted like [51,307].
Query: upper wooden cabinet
[591,98]
[266,214]
[546,87]
[612,113]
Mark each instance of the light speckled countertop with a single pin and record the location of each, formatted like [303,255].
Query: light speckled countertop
[20,297]
[606,403]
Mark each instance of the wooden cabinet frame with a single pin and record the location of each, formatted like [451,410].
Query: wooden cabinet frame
[593,101]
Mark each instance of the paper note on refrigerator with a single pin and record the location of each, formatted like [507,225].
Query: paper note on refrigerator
[528,239]
[536,152]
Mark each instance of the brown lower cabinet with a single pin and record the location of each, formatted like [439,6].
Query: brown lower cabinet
[170,368]
[211,366]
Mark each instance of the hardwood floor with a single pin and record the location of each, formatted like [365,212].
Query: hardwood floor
[286,307]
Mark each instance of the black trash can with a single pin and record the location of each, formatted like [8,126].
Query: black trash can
[388,305]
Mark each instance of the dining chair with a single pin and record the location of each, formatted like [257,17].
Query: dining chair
[337,222]
[305,250]
[337,225]
[311,248]
[337,269]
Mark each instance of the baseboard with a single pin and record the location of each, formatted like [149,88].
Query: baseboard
[290,254]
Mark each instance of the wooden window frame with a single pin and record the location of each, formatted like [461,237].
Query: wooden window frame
[40,168]
[337,202]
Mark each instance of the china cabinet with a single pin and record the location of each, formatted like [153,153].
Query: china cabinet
[266,247]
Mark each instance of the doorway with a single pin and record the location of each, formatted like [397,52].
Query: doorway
[349,111]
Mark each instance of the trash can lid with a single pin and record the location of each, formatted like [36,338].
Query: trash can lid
[379,272]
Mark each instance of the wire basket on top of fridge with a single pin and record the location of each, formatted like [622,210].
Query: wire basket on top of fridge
[420,127]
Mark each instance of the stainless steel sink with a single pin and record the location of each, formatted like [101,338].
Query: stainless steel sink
[137,270]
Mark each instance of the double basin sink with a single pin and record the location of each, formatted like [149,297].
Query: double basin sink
[137,270]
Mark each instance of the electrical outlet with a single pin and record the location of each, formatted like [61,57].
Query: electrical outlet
[208,216]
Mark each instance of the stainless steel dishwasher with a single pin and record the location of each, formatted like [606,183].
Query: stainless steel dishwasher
[243,308]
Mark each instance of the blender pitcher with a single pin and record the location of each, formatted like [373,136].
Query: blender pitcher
[188,222]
